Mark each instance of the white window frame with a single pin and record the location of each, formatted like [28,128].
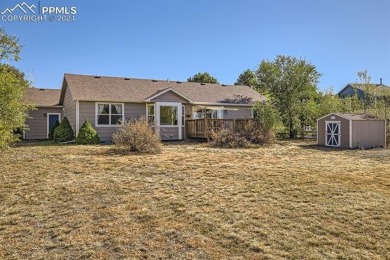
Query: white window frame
[147,113]
[157,115]
[326,129]
[47,121]
[109,114]
[183,116]
[168,104]
[204,111]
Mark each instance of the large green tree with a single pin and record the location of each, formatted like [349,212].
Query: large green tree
[202,78]
[292,86]
[13,86]
[247,78]
[9,46]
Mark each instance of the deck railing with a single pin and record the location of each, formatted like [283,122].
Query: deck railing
[202,128]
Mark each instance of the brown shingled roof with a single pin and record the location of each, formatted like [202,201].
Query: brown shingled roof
[351,116]
[117,89]
[43,97]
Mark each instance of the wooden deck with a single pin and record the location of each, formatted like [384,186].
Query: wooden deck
[202,128]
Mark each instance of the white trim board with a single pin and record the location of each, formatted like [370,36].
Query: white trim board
[339,135]
[149,99]
[109,103]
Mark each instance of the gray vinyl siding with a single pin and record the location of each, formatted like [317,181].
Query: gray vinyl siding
[87,111]
[169,97]
[368,134]
[169,133]
[70,109]
[241,113]
[344,129]
[37,123]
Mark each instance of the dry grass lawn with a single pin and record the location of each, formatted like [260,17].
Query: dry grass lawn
[291,200]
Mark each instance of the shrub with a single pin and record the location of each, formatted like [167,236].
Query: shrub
[51,132]
[227,138]
[87,134]
[64,132]
[256,134]
[259,131]
[136,135]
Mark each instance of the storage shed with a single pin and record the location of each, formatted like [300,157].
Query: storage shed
[351,131]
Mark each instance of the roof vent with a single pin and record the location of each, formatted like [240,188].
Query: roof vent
[202,83]
[224,85]
[126,79]
[154,80]
[97,77]
[41,89]
[178,82]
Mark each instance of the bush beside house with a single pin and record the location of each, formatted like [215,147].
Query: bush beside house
[136,135]
[258,131]
[87,134]
[64,132]
[51,132]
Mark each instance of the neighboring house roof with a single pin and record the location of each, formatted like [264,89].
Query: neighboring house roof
[353,117]
[117,89]
[43,97]
[361,88]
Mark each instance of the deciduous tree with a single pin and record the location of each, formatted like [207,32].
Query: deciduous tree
[292,85]
[13,86]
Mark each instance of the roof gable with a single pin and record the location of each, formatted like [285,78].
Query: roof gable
[356,88]
[166,92]
[352,116]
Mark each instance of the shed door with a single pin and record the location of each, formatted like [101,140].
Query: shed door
[333,134]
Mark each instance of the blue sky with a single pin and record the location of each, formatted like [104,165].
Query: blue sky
[175,39]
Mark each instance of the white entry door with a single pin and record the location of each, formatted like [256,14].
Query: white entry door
[333,134]
[169,119]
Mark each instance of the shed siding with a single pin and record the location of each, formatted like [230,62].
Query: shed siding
[368,134]
[70,109]
[344,127]
[241,113]
[87,111]
[38,122]
[169,96]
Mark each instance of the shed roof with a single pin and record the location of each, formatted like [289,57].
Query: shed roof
[352,116]
[43,97]
[119,89]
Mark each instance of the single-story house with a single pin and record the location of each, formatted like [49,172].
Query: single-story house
[359,89]
[346,130]
[107,101]
[48,111]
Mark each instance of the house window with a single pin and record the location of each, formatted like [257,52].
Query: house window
[183,112]
[150,113]
[109,114]
[168,115]
[201,113]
